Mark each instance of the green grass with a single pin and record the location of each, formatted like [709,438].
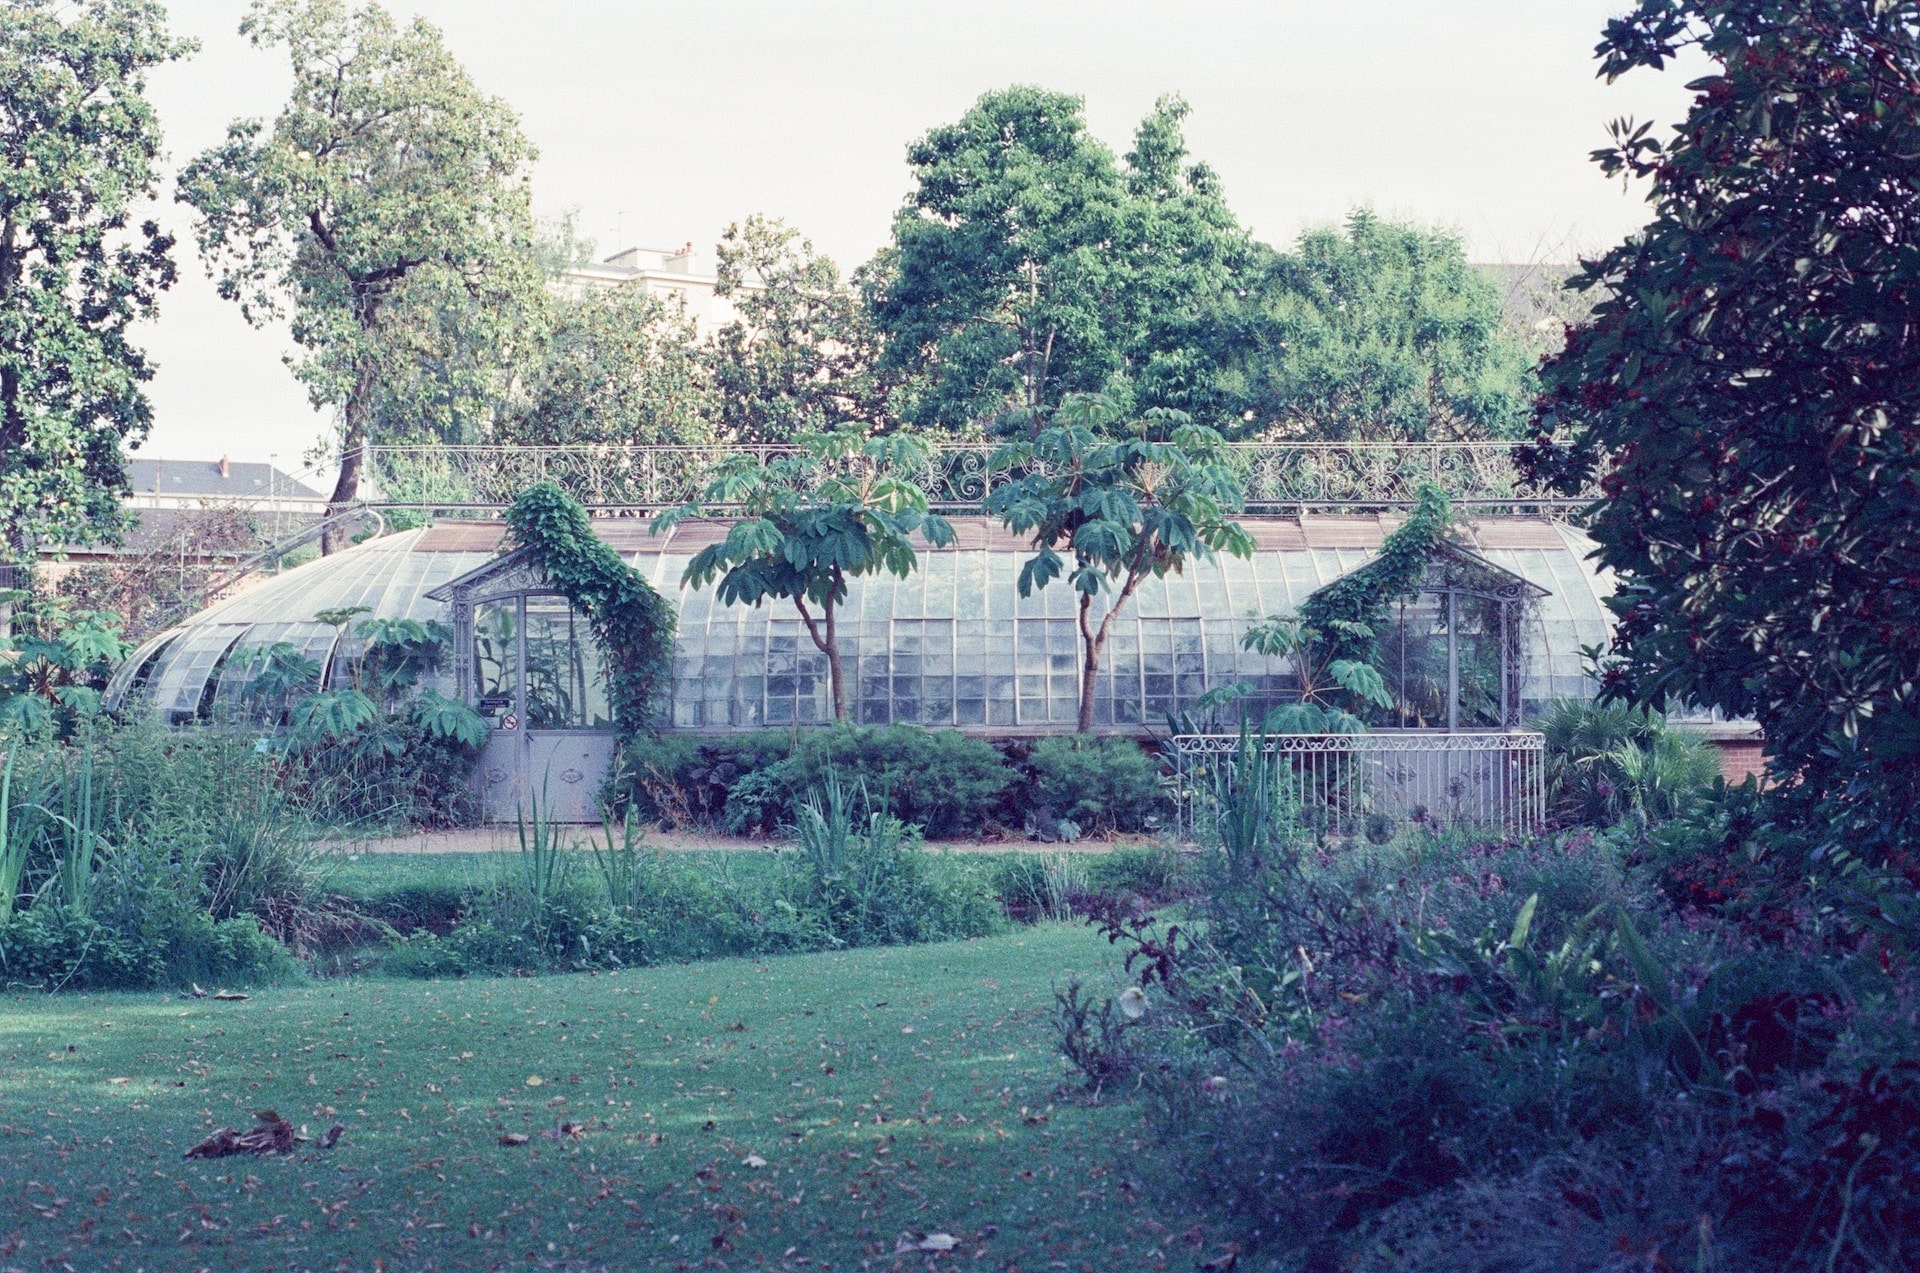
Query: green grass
[890,1091]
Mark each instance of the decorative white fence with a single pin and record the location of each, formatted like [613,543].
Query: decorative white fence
[1373,785]
[1277,477]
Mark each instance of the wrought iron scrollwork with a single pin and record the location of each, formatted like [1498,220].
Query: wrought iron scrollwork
[1278,478]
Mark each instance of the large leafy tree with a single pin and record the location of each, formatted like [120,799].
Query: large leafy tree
[616,365]
[1125,508]
[78,146]
[1377,331]
[803,356]
[1028,264]
[1751,378]
[838,506]
[387,209]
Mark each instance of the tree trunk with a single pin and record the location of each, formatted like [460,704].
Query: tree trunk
[353,441]
[1093,643]
[827,641]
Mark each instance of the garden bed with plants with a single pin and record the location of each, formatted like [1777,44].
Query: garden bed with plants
[136,857]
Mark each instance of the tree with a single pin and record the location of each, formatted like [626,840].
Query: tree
[1126,508]
[616,365]
[1750,378]
[78,145]
[840,506]
[1028,265]
[388,209]
[803,356]
[1378,332]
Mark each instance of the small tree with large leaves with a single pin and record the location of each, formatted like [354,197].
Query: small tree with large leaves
[1126,502]
[838,506]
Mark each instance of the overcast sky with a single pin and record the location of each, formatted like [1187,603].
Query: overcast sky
[663,122]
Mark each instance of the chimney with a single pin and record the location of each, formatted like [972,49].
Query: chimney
[226,470]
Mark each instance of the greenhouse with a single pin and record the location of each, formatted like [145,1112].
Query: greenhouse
[1496,632]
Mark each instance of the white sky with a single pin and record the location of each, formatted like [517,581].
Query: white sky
[663,122]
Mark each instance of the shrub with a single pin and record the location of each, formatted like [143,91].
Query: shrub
[687,779]
[1103,784]
[1608,761]
[1095,1039]
[866,882]
[1362,1051]
[939,780]
[1152,871]
[46,948]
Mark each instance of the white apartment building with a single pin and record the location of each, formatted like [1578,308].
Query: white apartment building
[680,274]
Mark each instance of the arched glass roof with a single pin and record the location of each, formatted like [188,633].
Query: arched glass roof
[184,671]
[953,644]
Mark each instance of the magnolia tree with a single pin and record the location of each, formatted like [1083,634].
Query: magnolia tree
[839,506]
[1125,502]
[1751,378]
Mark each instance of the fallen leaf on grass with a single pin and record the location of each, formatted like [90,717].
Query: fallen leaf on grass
[753,1160]
[1226,1263]
[270,1134]
[513,1138]
[534,1080]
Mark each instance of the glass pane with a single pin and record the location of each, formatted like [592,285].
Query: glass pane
[496,658]
[565,682]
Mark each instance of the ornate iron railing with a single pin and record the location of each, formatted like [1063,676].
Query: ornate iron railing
[1375,785]
[1277,477]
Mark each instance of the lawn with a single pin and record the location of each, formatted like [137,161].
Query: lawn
[808,1112]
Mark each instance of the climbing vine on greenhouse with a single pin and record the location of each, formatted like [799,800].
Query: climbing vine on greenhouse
[633,624]
[1347,615]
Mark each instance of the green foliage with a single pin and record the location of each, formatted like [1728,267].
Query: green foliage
[1746,386]
[387,209]
[140,858]
[939,780]
[1127,509]
[1609,761]
[54,665]
[618,365]
[49,949]
[1154,871]
[1028,265]
[82,143]
[380,749]
[803,356]
[1347,616]
[1102,784]
[633,625]
[838,506]
[865,881]
[1378,332]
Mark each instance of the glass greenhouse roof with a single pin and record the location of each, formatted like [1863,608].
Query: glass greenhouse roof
[953,644]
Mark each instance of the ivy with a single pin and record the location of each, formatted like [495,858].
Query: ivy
[1347,615]
[634,624]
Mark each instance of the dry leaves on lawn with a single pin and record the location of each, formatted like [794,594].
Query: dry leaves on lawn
[270,1134]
